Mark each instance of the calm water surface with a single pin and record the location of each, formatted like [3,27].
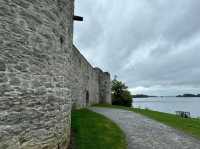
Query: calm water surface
[169,104]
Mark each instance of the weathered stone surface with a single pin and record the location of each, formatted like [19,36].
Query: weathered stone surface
[3,78]
[42,74]
[4,88]
[22,67]
[2,66]
[14,81]
[83,79]
[30,54]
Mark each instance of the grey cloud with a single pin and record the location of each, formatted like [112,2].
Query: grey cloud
[146,43]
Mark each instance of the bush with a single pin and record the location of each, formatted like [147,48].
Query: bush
[120,94]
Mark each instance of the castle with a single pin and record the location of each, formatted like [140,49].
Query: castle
[42,74]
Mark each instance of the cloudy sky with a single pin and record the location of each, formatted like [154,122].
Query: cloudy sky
[152,45]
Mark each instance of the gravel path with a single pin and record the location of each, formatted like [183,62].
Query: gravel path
[144,133]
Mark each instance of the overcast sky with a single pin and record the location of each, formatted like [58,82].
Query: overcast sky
[152,45]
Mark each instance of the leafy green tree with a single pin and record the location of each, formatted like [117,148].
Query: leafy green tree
[120,94]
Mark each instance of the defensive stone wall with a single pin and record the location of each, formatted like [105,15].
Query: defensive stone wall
[89,85]
[104,86]
[42,74]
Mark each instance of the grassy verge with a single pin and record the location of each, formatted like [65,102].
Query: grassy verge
[190,126]
[94,131]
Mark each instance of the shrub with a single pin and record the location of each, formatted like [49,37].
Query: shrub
[120,94]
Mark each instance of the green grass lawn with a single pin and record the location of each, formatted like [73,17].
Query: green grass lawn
[94,131]
[190,126]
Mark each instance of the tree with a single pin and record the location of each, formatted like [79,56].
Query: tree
[120,94]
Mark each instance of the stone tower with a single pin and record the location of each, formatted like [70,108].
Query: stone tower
[42,74]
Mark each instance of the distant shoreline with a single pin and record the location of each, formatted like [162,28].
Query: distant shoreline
[188,95]
[179,96]
[142,96]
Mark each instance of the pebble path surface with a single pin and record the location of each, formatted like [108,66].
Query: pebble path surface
[145,133]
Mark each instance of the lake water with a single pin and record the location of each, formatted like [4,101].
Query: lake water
[169,104]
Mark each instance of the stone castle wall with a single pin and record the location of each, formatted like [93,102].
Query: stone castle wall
[86,79]
[42,74]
